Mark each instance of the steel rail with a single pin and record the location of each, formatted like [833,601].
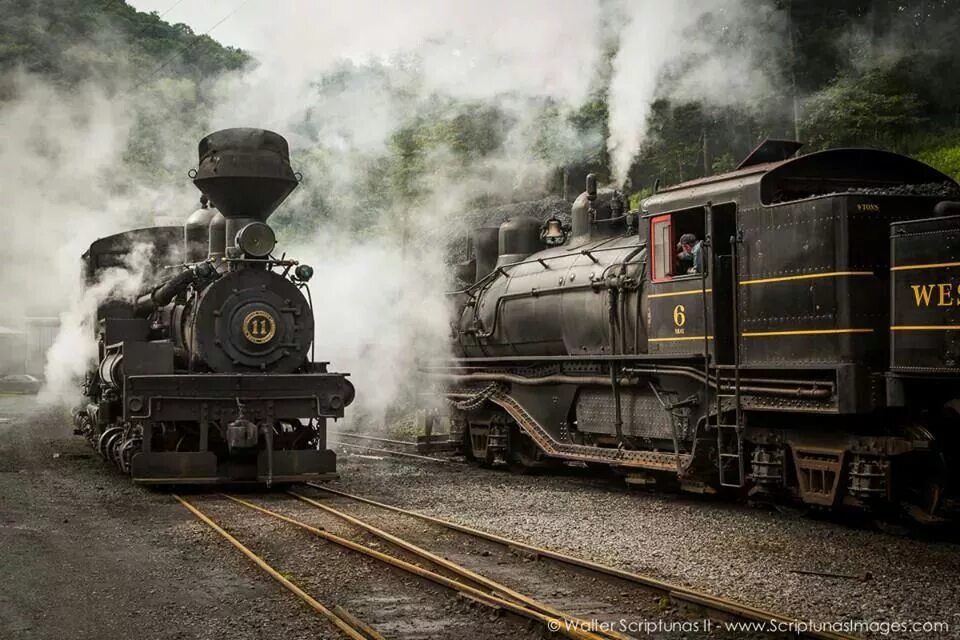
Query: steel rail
[338,621]
[460,570]
[675,592]
[406,443]
[397,453]
[566,625]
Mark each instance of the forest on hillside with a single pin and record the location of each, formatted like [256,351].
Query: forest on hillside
[878,73]
[158,74]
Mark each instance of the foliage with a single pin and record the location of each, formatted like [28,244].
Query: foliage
[74,40]
[877,73]
[944,156]
[855,111]
[153,74]
[860,72]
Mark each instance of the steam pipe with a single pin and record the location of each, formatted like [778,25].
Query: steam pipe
[164,294]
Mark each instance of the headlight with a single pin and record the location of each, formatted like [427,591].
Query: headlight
[257,240]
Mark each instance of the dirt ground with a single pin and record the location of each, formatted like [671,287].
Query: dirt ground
[85,554]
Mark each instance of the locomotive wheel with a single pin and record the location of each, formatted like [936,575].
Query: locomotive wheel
[125,453]
[919,482]
[112,446]
[104,439]
[525,457]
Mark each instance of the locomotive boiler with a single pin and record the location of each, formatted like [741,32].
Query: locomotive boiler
[811,353]
[207,375]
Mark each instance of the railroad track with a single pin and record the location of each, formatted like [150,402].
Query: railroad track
[349,624]
[388,442]
[418,557]
[715,607]
[516,612]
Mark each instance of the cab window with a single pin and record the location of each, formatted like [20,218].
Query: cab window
[662,235]
[669,259]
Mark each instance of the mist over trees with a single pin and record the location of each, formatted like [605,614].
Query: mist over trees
[159,75]
[878,73]
[875,73]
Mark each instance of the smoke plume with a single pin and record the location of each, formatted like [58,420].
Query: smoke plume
[717,53]
[74,349]
[341,81]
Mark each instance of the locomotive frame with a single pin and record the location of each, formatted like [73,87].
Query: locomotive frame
[771,373]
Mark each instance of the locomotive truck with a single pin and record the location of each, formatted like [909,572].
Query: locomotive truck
[207,375]
[813,356]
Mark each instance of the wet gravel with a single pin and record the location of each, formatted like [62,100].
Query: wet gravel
[84,554]
[731,550]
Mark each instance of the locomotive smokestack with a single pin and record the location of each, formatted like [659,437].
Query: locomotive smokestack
[246,173]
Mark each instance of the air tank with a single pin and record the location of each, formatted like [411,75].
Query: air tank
[196,232]
[518,238]
[218,237]
[486,248]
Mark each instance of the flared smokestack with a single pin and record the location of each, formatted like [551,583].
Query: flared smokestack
[246,174]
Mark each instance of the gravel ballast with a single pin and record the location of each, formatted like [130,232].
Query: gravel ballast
[86,554]
[730,550]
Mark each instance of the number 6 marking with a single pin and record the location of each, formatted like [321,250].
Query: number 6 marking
[679,315]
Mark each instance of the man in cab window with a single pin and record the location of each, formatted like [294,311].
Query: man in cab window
[690,258]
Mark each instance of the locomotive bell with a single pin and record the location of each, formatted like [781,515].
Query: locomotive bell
[552,232]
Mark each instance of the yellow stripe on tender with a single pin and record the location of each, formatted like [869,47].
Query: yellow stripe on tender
[679,338]
[935,265]
[804,332]
[685,292]
[926,327]
[808,276]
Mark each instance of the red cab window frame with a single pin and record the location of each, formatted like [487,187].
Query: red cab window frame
[655,260]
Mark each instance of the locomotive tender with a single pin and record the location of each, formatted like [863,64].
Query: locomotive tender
[815,356]
[207,375]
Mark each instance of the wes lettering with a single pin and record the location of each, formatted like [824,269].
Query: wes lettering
[939,294]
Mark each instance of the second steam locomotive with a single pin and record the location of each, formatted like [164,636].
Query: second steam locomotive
[804,346]
[206,375]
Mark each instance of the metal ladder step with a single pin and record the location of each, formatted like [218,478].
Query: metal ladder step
[730,447]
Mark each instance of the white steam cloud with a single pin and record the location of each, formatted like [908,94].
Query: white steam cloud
[339,80]
[715,52]
[341,84]
[66,182]
[74,349]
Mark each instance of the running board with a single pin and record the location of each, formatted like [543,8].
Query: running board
[654,460]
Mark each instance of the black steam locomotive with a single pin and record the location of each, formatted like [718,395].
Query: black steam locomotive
[206,375]
[810,352]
